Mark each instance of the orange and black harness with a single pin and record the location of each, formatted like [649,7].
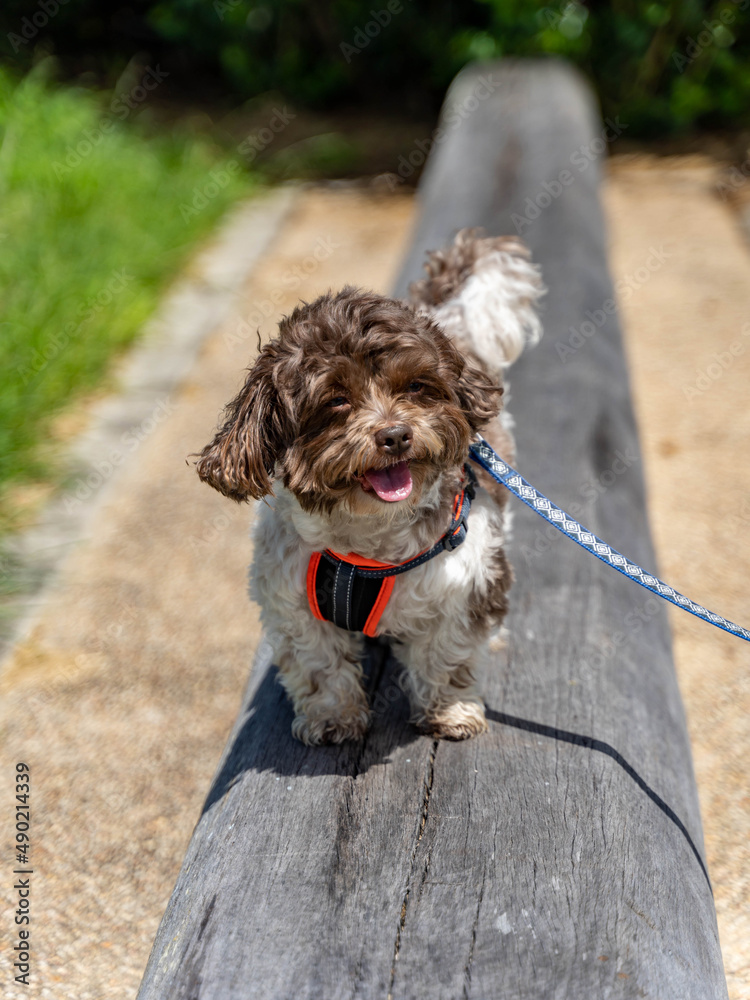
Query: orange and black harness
[353,592]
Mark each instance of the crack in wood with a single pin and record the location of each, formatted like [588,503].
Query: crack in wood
[194,957]
[426,792]
[207,916]
[377,659]
[470,959]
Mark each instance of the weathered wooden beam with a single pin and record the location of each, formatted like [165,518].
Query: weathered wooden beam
[560,855]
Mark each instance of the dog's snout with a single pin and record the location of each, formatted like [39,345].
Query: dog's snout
[394,440]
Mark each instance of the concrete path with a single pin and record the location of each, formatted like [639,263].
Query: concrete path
[122,692]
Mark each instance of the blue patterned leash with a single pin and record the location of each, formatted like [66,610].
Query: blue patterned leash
[483,455]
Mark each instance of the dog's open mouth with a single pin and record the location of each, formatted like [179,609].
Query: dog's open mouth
[390,484]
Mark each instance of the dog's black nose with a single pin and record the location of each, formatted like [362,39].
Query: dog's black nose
[394,440]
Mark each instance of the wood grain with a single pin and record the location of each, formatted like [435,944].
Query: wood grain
[554,857]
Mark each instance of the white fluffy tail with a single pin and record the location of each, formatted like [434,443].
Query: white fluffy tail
[483,292]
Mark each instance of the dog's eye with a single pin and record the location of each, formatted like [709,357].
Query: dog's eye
[337,402]
[415,387]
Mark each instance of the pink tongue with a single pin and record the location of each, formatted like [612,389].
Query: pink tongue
[393,483]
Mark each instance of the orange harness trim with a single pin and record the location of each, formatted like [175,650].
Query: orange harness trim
[312,569]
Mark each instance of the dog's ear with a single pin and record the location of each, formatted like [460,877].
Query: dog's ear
[240,460]
[477,392]
[480,395]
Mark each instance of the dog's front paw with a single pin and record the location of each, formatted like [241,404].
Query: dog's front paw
[315,731]
[458,721]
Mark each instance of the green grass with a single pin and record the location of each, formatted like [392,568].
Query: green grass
[91,232]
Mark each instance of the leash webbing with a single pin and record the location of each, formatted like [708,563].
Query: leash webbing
[500,471]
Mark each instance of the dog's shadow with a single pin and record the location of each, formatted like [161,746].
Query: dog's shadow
[263,740]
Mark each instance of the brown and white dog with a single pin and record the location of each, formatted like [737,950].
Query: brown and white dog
[354,424]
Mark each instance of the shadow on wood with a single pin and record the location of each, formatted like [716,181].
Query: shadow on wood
[560,855]
[264,740]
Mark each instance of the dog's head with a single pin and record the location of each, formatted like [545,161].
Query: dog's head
[360,400]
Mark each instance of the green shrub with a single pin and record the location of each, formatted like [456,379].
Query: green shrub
[663,66]
[93,225]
